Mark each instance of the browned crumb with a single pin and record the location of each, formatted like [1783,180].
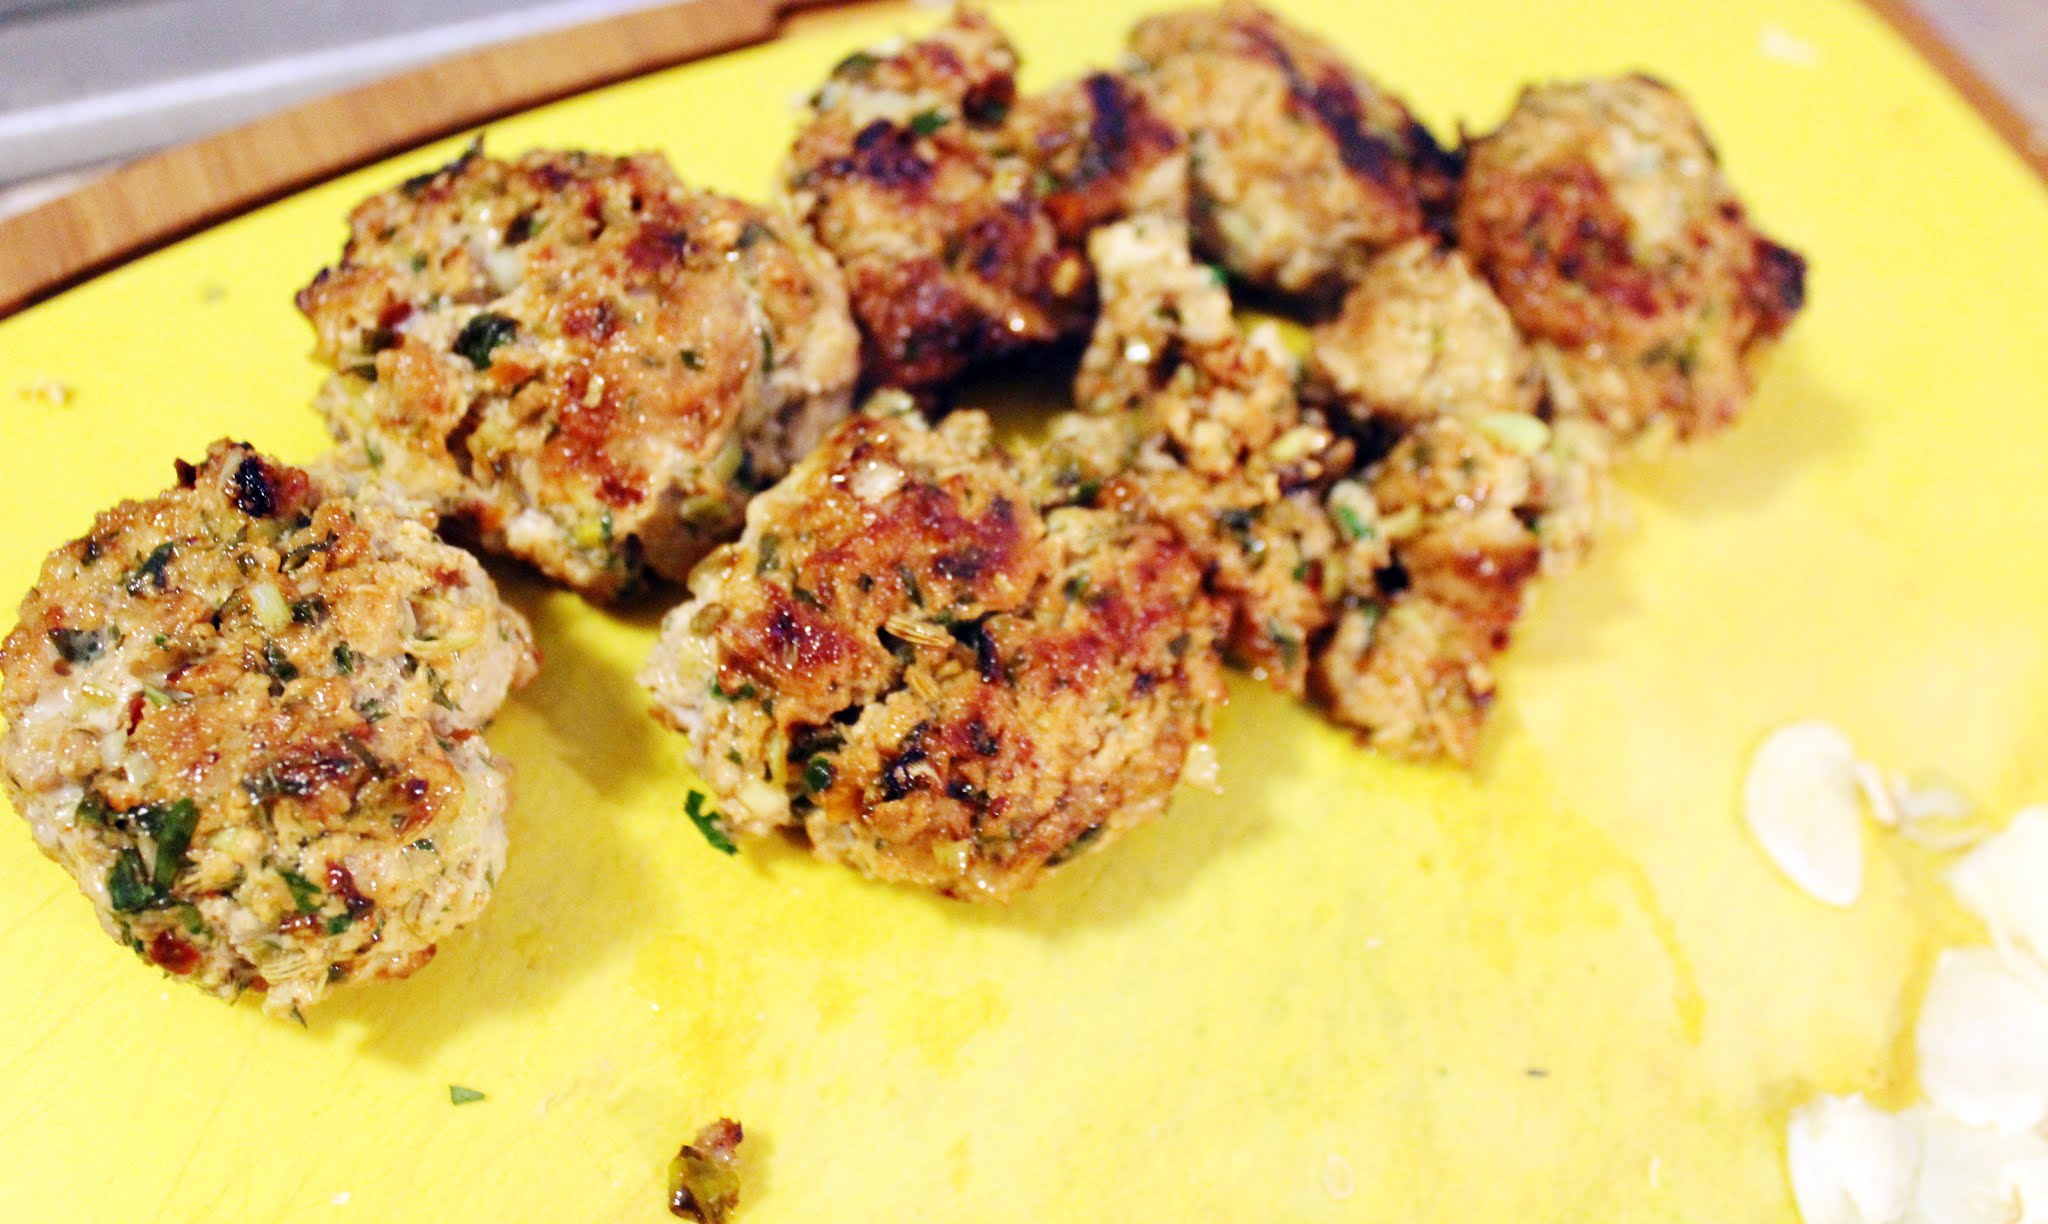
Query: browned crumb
[704,1177]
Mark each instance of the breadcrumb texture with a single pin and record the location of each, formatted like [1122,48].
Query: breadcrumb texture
[245,715]
[578,359]
[940,682]
[1600,214]
[958,209]
[1301,167]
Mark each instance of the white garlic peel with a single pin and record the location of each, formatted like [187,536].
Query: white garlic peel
[1851,1162]
[1803,803]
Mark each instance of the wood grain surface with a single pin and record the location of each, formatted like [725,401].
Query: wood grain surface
[170,194]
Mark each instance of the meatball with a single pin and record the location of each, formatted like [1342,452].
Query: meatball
[1421,336]
[579,360]
[958,212]
[1600,214]
[1200,423]
[245,714]
[942,684]
[1301,167]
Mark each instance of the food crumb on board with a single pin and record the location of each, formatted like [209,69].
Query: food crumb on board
[704,1178]
[1778,43]
[1338,1180]
[459,1095]
[54,392]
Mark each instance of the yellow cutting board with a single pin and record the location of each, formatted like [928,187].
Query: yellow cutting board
[1563,986]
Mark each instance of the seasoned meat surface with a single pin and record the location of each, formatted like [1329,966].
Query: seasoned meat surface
[578,359]
[245,715]
[940,682]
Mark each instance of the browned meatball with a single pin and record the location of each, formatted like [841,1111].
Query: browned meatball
[587,364]
[245,715]
[957,211]
[1600,214]
[941,683]
[1301,167]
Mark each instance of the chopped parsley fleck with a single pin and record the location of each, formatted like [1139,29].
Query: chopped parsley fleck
[604,526]
[374,454]
[94,810]
[163,697]
[128,888]
[483,334]
[766,561]
[371,709]
[170,826]
[278,663]
[708,823]
[860,63]
[1354,527]
[751,233]
[439,690]
[1217,274]
[925,122]
[458,1095]
[305,893]
[819,774]
[767,351]
[79,645]
[337,923]
[151,571]
[424,843]
[742,693]
[1076,589]
[1301,570]
[344,659]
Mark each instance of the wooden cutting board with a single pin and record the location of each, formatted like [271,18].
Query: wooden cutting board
[1563,986]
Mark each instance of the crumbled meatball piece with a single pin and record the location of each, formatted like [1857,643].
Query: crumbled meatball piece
[245,715]
[1198,424]
[704,1177]
[1411,669]
[1600,214]
[957,210]
[578,359]
[1301,167]
[941,683]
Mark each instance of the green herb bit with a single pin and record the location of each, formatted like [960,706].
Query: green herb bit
[424,843]
[79,645]
[163,697]
[745,691]
[170,826]
[819,774]
[278,663]
[1301,570]
[92,809]
[751,233]
[770,544]
[151,571]
[439,690]
[860,63]
[338,923]
[374,453]
[371,709]
[128,888]
[305,894]
[1076,588]
[1354,527]
[604,526]
[708,823]
[1217,274]
[344,659]
[767,351]
[925,122]
[309,611]
[459,1095]
[483,334]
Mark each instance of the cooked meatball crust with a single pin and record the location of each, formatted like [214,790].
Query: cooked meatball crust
[943,685]
[245,715]
[1301,167]
[1601,216]
[580,360]
[958,212]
